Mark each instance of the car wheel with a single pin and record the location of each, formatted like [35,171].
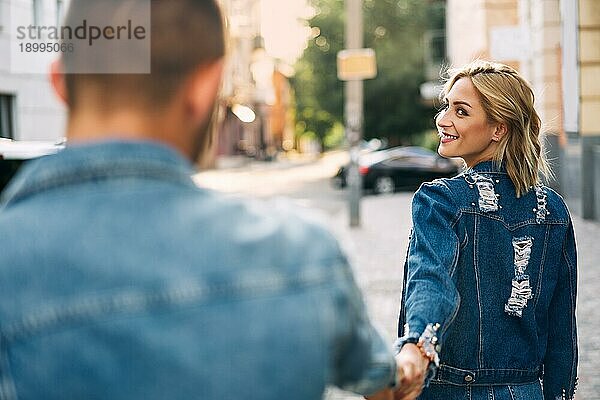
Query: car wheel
[384,185]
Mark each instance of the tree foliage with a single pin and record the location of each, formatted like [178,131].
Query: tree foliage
[393,107]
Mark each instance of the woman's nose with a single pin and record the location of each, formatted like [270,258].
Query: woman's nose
[441,120]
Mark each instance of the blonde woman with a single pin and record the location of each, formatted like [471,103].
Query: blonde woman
[488,305]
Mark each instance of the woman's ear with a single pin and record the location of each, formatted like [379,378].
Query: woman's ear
[499,132]
[57,80]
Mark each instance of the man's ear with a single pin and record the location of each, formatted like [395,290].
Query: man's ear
[204,86]
[499,132]
[57,80]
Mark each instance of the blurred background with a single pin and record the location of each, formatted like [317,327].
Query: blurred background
[282,129]
[281,94]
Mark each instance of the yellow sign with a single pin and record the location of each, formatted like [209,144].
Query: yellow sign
[356,65]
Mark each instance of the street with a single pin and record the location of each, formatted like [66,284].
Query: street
[378,247]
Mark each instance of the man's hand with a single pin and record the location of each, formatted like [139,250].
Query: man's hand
[385,394]
[414,368]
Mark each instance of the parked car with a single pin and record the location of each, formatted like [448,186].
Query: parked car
[14,153]
[386,171]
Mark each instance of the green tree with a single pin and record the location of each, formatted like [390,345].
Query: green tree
[319,94]
[393,107]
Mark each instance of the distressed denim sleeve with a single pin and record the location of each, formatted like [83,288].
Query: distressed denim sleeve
[560,362]
[431,298]
[363,361]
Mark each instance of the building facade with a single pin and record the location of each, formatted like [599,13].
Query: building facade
[28,108]
[556,45]
[254,83]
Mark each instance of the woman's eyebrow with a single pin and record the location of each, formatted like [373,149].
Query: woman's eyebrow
[457,102]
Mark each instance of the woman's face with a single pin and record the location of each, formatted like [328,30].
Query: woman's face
[463,126]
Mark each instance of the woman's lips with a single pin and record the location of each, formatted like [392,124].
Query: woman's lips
[447,138]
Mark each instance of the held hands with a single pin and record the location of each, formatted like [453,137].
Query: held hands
[385,394]
[412,369]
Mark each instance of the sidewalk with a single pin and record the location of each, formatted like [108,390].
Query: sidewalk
[282,161]
[264,179]
[378,249]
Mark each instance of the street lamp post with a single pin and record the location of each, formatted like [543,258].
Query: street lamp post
[354,65]
[354,109]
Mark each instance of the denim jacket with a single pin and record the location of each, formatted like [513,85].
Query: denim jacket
[491,282]
[120,279]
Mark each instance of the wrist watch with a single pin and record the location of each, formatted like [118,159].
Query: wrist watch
[400,342]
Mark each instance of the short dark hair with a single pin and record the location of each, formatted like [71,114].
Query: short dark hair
[184,36]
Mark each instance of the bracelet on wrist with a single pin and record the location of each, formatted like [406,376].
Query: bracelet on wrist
[428,344]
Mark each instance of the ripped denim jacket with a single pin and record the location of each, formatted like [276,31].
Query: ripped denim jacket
[491,282]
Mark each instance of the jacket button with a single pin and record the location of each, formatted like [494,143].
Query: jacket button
[468,378]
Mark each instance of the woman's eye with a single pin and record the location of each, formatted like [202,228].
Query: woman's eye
[444,107]
[461,112]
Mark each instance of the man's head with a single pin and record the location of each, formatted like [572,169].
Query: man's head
[187,44]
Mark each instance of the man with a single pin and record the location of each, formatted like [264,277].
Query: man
[120,279]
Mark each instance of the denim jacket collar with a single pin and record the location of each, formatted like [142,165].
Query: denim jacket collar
[99,161]
[488,167]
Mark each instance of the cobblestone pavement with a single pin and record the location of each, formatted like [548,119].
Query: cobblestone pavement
[588,308]
[378,249]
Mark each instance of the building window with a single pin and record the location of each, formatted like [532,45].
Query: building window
[7,116]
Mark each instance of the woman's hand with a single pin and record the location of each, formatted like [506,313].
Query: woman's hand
[414,365]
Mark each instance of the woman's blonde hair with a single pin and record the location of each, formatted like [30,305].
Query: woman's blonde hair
[508,98]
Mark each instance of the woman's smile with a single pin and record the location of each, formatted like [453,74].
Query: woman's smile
[446,137]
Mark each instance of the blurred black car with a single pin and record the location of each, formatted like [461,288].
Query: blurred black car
[386,171]
[14,153]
